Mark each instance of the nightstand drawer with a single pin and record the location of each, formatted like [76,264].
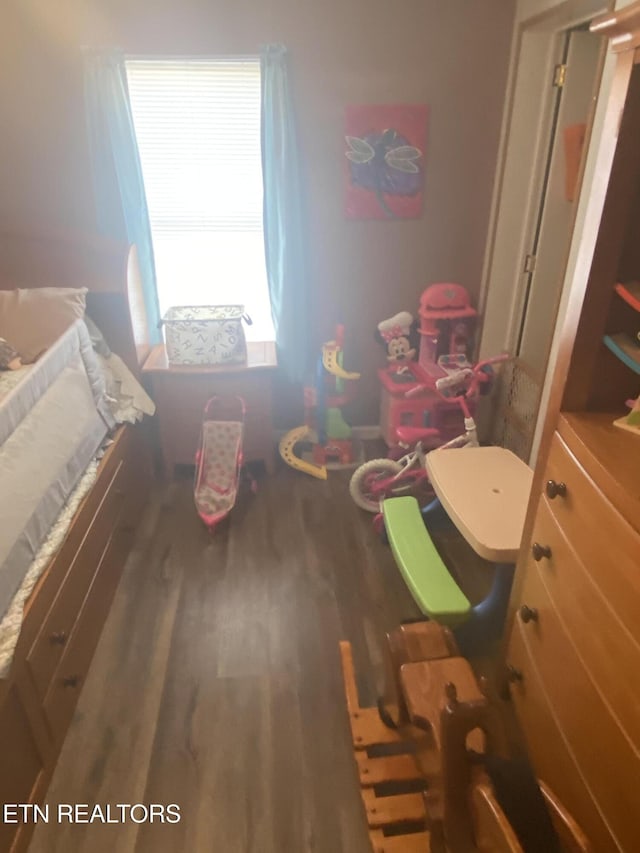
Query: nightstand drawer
[188,395]
[181,394]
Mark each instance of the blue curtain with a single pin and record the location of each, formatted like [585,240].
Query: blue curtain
[283,216]
[121,204]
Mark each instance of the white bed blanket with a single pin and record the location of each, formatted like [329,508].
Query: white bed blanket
[128,400]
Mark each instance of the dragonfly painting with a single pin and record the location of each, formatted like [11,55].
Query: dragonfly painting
[386,165]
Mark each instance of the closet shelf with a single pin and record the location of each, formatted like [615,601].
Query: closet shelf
[630,292]
[625,348]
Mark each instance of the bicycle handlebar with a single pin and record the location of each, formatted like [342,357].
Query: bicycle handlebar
[473,375]
[496,359]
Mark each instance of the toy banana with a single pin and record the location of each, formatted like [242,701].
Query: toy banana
[331,364]
[286,448]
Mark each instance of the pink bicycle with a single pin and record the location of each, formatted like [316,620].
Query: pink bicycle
[378,479]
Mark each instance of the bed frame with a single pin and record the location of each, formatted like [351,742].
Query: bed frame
[66,611]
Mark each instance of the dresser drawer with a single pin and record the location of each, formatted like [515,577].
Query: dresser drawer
[68,679]
[600,748]
[552,760]
[51,641]
[593,624]
[608,547]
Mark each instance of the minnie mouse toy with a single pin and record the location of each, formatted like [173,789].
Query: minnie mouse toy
[399,335]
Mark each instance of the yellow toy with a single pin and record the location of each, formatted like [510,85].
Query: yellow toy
[325,427]
[286,448]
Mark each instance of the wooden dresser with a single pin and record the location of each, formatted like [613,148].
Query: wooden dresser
[573,649]
[181,393]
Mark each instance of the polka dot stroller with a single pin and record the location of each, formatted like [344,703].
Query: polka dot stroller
[219,459]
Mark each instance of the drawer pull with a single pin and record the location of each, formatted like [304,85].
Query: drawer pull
[514,674]
[58,638]
[528,614]
[539,551]
[554,489]
[71,681]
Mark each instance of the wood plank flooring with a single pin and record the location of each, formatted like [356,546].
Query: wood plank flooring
[217,681]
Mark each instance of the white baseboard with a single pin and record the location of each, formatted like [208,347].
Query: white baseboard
[367,433]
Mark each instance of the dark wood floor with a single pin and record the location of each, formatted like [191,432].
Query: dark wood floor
[217,681]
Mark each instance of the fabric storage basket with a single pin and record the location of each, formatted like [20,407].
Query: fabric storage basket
[205,334]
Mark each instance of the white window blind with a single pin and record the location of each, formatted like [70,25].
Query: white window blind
[198,129]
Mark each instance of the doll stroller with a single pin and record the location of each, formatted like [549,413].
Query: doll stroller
[219,459]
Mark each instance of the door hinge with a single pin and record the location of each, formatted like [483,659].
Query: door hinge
[529,263]
[559,75]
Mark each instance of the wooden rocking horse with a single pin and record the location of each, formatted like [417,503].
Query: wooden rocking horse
[433,761]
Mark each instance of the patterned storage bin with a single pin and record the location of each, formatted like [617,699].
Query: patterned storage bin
[205,334]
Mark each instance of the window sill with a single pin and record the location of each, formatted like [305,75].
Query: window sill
[261,355]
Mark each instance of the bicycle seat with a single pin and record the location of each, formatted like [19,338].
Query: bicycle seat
[412,435]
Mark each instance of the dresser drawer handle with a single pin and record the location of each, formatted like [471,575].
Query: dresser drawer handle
[58,638]
[539,551]
[554,489]
[71,681]
[528,614]
[514,674]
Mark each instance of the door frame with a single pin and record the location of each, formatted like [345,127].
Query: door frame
[500,302]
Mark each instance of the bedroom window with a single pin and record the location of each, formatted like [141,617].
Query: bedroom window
[198,129]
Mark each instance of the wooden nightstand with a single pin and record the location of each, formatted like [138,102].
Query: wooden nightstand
[180,394]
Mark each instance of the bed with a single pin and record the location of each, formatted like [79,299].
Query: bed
[74,478]
[52,423]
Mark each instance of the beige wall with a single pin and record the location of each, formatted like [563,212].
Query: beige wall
[451,55]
